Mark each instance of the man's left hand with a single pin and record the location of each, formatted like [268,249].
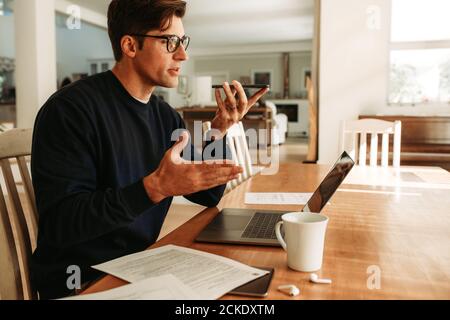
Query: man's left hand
[232,110]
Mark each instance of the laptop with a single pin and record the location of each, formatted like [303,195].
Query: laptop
[257,227]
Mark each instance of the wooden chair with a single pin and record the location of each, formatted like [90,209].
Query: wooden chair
[352,129]
[237,142]
[18,217]
[206,126]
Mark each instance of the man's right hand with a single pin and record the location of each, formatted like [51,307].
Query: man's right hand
[176,176]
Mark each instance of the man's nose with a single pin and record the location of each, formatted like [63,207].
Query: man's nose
[181,54]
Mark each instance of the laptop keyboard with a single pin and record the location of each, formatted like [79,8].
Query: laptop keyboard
[262,226]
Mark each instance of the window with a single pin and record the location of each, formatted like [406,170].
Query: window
[94,68]
[5,8]
[420,52]
[105,66]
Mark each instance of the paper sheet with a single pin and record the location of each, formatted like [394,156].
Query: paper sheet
[279,198]
[165,287]
[210,276]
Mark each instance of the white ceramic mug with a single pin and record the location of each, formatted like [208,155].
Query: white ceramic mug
[305,237]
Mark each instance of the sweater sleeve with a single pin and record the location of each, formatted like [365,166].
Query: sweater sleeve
[64,168]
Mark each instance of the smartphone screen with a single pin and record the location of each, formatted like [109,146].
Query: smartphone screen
[256,288]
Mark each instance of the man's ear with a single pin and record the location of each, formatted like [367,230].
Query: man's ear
[129,46]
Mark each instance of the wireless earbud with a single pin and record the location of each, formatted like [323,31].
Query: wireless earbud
[290,289]
[315,278]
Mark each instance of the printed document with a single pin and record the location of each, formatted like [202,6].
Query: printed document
[279,198]
[165,287]
[210,276]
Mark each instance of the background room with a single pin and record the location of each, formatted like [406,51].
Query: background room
[280,56]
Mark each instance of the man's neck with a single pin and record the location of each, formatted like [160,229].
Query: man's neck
[132,82]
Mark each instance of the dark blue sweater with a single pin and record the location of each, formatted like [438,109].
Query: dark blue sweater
[93,144]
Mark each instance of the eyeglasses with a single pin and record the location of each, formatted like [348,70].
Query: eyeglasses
[173,41]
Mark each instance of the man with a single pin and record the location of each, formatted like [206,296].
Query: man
[104,165]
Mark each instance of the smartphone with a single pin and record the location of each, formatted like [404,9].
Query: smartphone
[256,288]
[245,86]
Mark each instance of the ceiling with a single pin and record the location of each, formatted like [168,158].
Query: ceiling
[238,22]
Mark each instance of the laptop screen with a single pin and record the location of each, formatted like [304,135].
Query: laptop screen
[330,184]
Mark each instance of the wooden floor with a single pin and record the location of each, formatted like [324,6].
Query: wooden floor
[294,150]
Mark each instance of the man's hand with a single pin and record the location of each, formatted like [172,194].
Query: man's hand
[232,110]
[176,176]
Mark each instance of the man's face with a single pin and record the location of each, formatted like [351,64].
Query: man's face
[155,64]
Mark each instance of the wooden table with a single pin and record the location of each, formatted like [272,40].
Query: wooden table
[399,225]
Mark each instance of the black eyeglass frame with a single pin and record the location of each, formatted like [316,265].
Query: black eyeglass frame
[168,37]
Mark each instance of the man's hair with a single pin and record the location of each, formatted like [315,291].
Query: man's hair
[126,17]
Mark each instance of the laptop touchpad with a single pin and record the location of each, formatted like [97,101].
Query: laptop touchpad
[230,222]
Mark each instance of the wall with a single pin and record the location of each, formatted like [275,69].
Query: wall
[75,47]
[242,65]
[299,61]
[354,69]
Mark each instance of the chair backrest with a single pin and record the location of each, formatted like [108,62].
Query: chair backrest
[206,126]
[351,130]
[237,142]
[18,216]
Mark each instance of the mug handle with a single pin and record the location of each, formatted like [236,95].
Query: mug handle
[278,234]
